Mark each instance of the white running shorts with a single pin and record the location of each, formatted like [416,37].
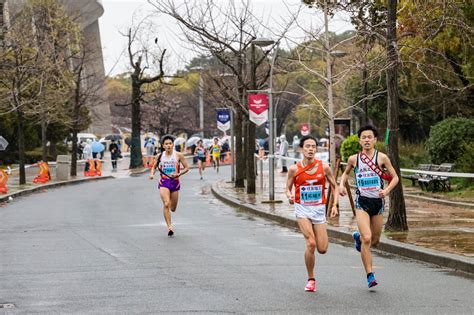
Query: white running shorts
[317,214]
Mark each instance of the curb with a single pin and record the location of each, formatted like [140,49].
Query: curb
[447,260]
[32,190]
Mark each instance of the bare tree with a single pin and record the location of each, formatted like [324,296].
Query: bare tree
[227,32]
[141,58]
[165,111]
[85,91]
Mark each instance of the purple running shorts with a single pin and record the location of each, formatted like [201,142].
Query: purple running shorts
[171,184]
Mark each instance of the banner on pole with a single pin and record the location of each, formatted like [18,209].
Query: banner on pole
[258,108]
[305,129]
[223,119]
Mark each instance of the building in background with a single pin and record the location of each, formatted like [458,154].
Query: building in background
[87,13]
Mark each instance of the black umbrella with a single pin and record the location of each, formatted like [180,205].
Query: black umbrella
[3,143]
[115,137]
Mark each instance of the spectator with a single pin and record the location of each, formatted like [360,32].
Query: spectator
[87,154]
[296,147]
[224,149]
[283,153]
[266,146]
[150,150]
[114,154]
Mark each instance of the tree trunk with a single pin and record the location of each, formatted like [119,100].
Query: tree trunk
[135,148]
[239,151]
[250,158]
[21,146]
[53,150]
[397,220]
[74,153]
[44,141]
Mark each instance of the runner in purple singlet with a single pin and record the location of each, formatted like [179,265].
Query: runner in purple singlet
[168,164]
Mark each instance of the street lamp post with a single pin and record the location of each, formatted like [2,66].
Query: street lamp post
[264,42]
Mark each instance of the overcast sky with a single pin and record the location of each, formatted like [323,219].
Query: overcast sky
[119,15]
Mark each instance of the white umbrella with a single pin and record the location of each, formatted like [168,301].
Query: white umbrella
[192,141]
[208,143]
[3,143]
[179,141]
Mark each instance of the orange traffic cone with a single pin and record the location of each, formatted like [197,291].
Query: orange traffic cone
[227,159]
[3,181]
[91,171]
[43,176]
[98,170]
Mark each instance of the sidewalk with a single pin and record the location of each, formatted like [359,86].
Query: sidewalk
[439,233]
[15,190]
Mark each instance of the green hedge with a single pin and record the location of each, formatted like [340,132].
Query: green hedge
[349,147]
[449,141]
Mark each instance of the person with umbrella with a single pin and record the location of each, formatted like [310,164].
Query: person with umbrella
[169,163]
[97,148]
[114,154]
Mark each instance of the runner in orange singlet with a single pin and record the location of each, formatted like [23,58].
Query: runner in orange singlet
[309,179]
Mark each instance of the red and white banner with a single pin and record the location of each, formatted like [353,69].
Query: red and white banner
[305,129]
[258,108]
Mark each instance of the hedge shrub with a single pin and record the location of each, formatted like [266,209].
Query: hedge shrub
[449,140]
[349,147]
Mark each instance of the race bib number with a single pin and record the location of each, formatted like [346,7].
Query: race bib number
[169,168]
[311,195]
[368,182]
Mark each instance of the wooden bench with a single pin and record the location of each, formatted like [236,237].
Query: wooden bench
[414,177]
[436,182]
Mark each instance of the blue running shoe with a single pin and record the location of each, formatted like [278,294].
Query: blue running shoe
[371,282]
[357,243]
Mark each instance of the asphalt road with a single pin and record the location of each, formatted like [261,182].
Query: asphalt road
[101,247]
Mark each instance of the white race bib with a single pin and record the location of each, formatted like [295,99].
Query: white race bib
[311,195]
